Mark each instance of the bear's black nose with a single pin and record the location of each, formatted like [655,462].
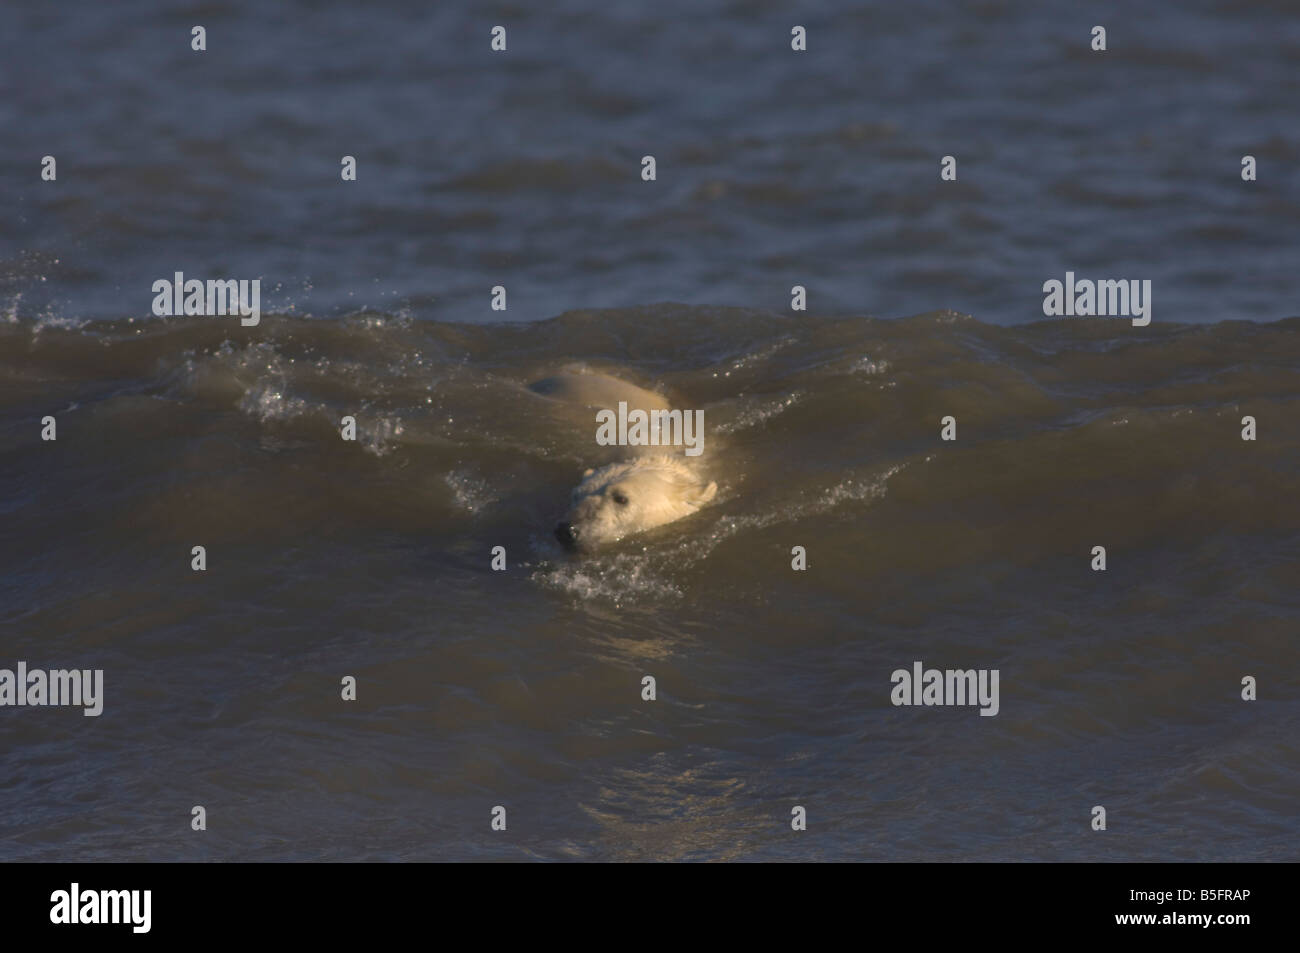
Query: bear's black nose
[567,535]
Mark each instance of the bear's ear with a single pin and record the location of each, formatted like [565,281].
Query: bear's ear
[706,494]
[588,472]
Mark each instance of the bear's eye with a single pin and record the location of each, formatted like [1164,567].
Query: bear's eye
[620,499]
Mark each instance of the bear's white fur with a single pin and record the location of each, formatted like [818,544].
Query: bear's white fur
[621,499]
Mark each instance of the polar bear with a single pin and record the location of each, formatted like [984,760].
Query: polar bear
[648,489]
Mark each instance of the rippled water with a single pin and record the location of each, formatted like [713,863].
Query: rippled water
[775,168]
[523,688]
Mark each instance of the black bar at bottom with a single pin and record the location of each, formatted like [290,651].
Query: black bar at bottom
[330,903]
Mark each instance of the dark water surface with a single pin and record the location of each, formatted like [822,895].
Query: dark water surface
[775,168]
[523,688]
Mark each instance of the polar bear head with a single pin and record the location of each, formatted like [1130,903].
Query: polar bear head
[626,498]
